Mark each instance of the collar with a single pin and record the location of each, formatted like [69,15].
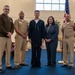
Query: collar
[4,14]
[22,20]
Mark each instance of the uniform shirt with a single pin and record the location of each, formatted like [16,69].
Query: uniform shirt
[68,29]
[52,32]
[36,30]
[22,25]
[6,25]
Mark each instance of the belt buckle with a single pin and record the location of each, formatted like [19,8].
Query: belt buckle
[66,37]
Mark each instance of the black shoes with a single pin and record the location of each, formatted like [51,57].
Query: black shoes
[1,70]
[47,65]
[70,67]
[36,67]
[24,64]
[64,66]
[10,67]
[52,65]
[17,66]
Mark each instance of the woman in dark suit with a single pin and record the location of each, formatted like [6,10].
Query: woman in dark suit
[51,40]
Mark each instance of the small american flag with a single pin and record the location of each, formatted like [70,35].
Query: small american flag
[66,9]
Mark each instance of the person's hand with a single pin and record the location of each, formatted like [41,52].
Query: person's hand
[48,40]
[42,43]
[9,34]
[42,40]
[24,36]
[30,40]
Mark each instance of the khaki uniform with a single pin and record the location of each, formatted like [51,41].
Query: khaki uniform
[20,43]
[68,42]
[6,25]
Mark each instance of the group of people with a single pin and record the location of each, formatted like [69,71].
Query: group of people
[37,33]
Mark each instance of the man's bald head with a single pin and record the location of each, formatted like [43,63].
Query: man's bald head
[67,17]
[21,15]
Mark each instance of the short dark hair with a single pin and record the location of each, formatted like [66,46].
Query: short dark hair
[36,11]
[6,6]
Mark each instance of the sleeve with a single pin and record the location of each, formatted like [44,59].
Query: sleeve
[30,30]
[2,29]
[74,26]
[15,23]
[62,28]
[56,33]
[27,25]
[12,26]
[43,31]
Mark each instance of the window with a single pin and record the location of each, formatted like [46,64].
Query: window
[54,5]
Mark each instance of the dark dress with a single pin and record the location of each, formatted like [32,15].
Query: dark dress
[52,33]
[36,34]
